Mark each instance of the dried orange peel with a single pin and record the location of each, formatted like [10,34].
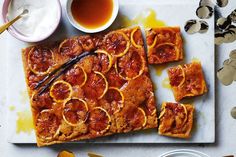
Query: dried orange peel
[109,57]
[106,83]
[34,70]
[127,43]
[107,116]
[132,39]
[69,88]
[79,122]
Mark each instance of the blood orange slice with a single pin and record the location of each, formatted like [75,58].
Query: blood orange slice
[176,76]
[40,60]
[136,35]
[130,66]
[114,99]
[43,101]
[76,76]
[185,114]
[105,60]
[70,47]
[163,110]
[75,111]
[153,43]
[99,120]
[86,42]
[47,124]
[61,91]
[166,52]
[113,78]
[136,118]
[194,87]
[96,86]
[117,43]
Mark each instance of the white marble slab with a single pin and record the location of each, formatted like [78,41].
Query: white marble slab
[199,46]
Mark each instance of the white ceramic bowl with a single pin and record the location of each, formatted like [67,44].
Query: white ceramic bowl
[184,153]
[93,30]
[23,37]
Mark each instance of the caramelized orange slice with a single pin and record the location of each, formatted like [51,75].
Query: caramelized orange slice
[87,42]
[185,113]
[96,86]
[136,118]
[133,38]
[195,88]
[43,101]
[114,79]
[167,51]
[115,98]
[180,116]
[163,110]
[182,75]
[75,111]
[47,124]
[99,120]
[130,66]
[76,76]
[117,43]
[61,91]
[177,76]
[40,60]
[153,43]
[106,63]
[70,47]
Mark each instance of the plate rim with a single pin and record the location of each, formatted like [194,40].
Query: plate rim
[188,151]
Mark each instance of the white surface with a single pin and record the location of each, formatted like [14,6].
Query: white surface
[200,46]
[225,128]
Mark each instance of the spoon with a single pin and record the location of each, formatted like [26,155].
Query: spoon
[8,24]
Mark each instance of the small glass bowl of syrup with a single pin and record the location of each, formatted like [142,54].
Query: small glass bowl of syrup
[91,16]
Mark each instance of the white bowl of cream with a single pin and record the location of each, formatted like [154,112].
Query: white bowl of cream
[40,22]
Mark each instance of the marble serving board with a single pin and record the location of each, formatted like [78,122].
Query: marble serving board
[197,47]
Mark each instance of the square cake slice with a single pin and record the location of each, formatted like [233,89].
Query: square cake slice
[187,80]
[176,120]
[106,92]
[164,45]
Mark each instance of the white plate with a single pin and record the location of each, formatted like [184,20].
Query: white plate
[184,153]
